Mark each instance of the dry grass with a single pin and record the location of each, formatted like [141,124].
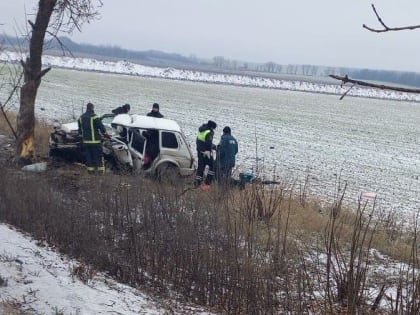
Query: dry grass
[11,309]
[4,128]
[42,132]
[229,249]
[307,221]
[232,249]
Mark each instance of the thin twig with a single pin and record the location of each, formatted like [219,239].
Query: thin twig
[346,92]
[16,86]
[386,28]
[8,121]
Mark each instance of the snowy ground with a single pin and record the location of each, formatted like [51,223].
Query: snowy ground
[35,279]
[40,281]
[125,67]
[371,142]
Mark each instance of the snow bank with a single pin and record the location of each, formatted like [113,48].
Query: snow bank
[125,67]
[42,281]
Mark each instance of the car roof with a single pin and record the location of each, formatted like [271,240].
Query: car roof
[146,122]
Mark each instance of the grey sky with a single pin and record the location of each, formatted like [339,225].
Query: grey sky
[323,32]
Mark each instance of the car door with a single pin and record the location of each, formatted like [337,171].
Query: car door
[137,145]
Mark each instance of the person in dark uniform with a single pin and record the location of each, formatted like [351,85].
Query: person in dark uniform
[226,156]
[155,111]
[122,109]
[91,129]
[205,148]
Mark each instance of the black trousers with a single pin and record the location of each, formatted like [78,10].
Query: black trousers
[203,161]
[93,157]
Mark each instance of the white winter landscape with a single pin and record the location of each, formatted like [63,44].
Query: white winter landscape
[41,281]
[369,140]
[129,68]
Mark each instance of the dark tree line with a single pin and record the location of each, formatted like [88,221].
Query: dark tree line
[168,59]
[111,51]
[398,77]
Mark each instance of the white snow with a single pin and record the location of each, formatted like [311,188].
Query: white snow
[371,144]
[129,68]
[43,278]
[43,282]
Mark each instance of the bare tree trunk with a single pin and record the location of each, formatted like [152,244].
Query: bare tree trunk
[25,146]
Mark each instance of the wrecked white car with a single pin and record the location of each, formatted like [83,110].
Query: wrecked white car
[139,143]
[65,141]
[152,145]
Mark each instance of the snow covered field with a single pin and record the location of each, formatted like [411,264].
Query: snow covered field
[43,282]
[370,143]
[125,67]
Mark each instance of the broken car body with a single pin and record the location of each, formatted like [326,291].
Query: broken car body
[139,143]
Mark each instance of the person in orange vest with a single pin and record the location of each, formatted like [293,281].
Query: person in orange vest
[91,129]
[205,149]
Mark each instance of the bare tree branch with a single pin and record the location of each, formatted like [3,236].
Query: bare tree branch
[31,24]
[7,120]
[346,79]
[72,14]
[346,92]
[16,86]
[43,72]
[52,17]
[11,81]
[63,47]
[386,28]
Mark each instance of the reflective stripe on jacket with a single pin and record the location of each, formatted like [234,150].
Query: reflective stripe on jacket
[204,140]
[89,127]
[202,135]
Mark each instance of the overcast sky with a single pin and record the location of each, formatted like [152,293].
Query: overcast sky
[323,32]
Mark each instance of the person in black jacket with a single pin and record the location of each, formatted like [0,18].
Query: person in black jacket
[122,109]
[91,139]
[205,149]
[155,111]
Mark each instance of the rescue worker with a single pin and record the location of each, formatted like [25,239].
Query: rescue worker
[155,111]
[226,156]
[205,148]
[91,128]
[122,109]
